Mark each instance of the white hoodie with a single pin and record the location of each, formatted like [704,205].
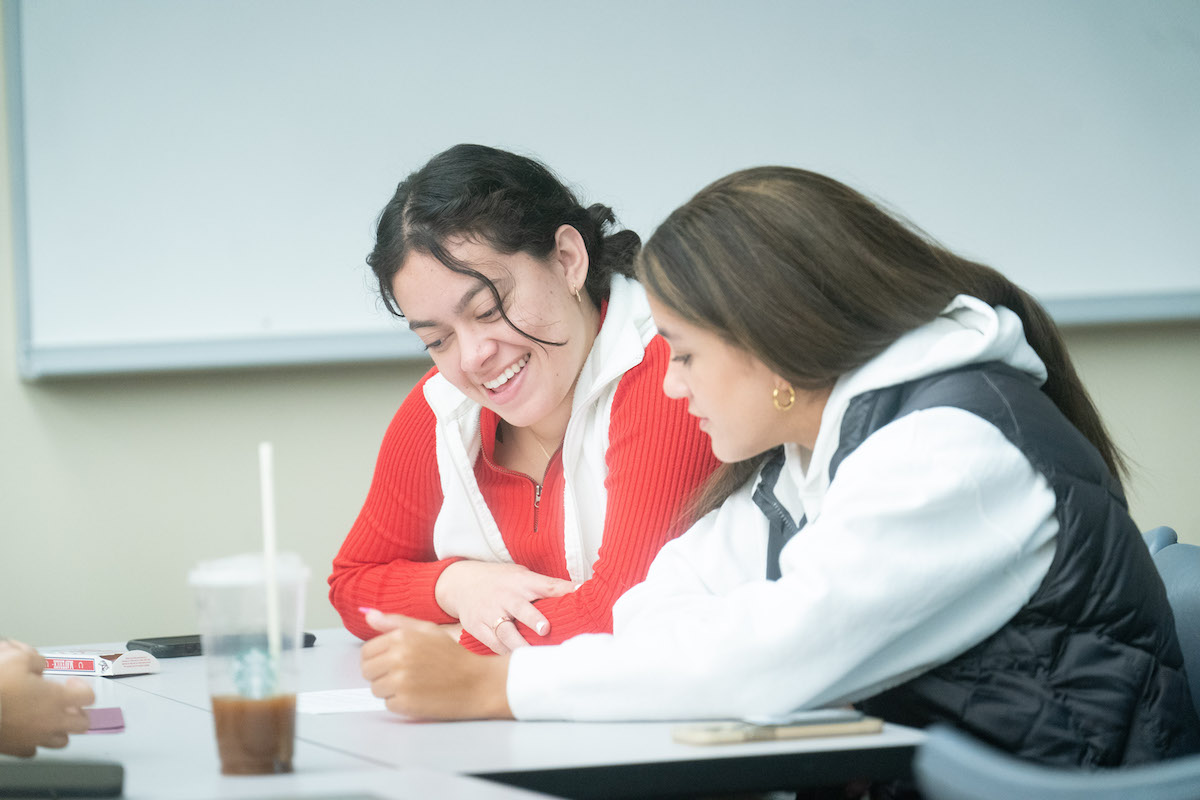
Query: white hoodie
[934,535]
[465,525]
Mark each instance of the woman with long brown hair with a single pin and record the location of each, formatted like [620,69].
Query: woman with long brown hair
[919,511]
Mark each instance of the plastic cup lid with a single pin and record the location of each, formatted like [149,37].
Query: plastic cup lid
[247,569]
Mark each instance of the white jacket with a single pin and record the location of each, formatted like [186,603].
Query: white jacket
[465,525]
[935,533]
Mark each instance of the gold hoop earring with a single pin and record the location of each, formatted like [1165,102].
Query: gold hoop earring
[578,299]
[791,399]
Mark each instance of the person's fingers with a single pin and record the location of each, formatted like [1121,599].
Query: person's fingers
[77,721]
[54,739]
[381,656]
[556,587]
[383,622]
[23,750]
[373,648]
[34,659]
[390,625]
[530,617]
[453,630]
[78,693]
[491,637]
[380,687]
[375,667]
[377,646]
[397,705]
[502,634]
[509,637]
[14,645]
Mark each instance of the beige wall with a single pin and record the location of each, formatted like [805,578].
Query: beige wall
[1146,381]
[111,488]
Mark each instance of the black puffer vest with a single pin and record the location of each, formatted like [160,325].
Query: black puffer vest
[1089,672]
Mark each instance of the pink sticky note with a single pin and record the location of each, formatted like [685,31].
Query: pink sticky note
[105,720]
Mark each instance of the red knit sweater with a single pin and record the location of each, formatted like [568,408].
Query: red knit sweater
[656,457]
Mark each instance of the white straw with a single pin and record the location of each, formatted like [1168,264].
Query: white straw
[266,474]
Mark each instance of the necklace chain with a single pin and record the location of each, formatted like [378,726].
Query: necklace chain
[541,447]
[536,440]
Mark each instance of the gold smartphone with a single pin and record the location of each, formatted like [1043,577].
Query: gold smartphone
[803,724]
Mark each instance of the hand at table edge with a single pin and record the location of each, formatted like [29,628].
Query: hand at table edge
[420,672]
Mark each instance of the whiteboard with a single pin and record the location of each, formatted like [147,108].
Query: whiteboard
[195,183]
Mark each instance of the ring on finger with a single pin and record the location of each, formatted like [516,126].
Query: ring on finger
[499,622]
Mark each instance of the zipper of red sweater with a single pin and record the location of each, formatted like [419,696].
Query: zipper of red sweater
[537,487]
[537,502]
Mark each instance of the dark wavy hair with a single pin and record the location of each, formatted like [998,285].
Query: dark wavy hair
[509,202]
[815,280]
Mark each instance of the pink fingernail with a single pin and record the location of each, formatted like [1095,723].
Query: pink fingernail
[541,628]
[367,610]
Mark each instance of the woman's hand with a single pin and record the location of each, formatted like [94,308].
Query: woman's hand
[35,712]
[453,630]
[422,673]
[486,597]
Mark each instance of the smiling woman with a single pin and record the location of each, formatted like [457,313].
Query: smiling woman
[531,476]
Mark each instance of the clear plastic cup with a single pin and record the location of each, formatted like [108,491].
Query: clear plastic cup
[252,684]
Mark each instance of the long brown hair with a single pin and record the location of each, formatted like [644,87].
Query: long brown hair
[815,280]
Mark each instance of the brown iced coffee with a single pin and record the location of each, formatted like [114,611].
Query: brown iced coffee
[254,737]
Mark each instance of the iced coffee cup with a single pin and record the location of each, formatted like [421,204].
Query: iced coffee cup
[251,673]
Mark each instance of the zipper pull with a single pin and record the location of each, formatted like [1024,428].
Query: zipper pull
[537,494]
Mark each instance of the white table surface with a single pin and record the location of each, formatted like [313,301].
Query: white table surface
[169,733]
[168,750]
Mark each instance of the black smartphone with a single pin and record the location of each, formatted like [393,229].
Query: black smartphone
[47,776]
[176,646]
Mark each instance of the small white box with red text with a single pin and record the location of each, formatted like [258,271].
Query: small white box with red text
[98,662]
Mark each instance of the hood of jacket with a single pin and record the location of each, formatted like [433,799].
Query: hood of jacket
[967,331]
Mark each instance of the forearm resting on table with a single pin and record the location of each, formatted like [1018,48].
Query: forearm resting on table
[398,586]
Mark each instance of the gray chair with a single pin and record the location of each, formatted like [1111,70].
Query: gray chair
[951,765]
[1179,565]
[1160,537]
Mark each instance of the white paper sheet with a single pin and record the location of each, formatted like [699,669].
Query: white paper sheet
[338,701]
